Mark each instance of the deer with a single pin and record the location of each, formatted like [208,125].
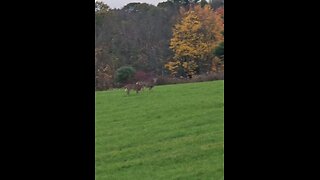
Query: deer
[137,87]
[149,84]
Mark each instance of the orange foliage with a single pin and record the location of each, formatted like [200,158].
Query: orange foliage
[195,37]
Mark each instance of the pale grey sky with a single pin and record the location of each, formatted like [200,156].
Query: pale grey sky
[121,3]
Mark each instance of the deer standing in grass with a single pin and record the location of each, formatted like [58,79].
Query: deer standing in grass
[149,84]
[137,87]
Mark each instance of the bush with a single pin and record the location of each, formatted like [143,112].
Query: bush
[195,78]
[141,76]
[125,74]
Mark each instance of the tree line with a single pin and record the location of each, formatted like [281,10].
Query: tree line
[176,38]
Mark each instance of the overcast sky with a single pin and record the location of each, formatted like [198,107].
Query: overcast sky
[121,3]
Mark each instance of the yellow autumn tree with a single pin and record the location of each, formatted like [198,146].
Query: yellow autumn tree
[173,67]
[212,25]
[187,41]
[194,39]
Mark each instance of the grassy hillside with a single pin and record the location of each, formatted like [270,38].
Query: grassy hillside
[171,132]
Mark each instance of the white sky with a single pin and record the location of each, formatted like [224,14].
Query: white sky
[121,3]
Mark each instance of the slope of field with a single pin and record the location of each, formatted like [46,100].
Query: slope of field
[170,132]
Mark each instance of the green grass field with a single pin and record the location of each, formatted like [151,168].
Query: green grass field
[170,132]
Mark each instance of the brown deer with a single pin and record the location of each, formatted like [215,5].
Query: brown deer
[149,84]
[137,87]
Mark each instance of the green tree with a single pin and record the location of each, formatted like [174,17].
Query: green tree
[219,51]
[101,10]
[101,7]
[125,74]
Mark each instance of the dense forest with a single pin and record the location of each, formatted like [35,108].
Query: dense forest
[175,39]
